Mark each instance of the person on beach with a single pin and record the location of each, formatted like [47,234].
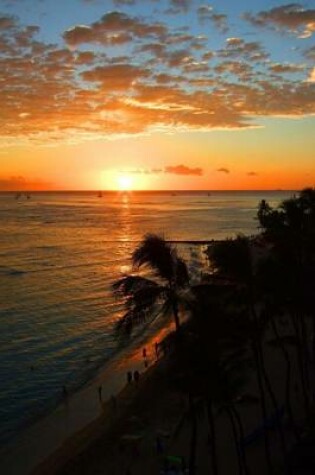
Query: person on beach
[100,393]
[136,376]
[129,377]
[144,354]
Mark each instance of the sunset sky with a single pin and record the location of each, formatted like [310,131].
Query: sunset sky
[157,94]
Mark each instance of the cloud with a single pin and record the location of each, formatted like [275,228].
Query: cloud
[292,18]
[252,173]
[286,68]
[115,77]
[7,22]
[223,170]
[237,47]
[183,170]
[177,6]
[146,171]
[113,28]
[119,3]
[206,13]
[181,3]
[311,77]
[310,53]
[51,93]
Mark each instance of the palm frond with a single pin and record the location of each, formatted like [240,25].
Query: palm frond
[181,271]
[141,296]
[129,284]
[128,322]
[155,252]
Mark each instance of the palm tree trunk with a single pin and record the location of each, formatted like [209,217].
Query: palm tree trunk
[193,437]
[263,407]
[301,364]
[305,350]
[273,399]
[175,314]
[242,437]
[288,377]
[256,352]
[214,456]
[236,440]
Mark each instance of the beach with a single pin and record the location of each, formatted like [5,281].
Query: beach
[79,418]
[124,437]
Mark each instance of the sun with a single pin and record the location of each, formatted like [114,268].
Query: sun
[125,182]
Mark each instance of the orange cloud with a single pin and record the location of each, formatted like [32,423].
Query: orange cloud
[223,170]
[286,68]
[183,170]
[115,77]
[50,92]
[292,18]
[112,28]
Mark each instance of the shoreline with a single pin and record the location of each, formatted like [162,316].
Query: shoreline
[109,422]
[82,411]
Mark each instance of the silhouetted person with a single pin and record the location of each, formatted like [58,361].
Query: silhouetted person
[136,376]
[144,354]
[129,377]
[100,393]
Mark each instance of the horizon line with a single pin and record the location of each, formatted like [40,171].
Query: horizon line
[99,190]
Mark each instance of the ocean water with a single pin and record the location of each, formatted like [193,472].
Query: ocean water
[59,254]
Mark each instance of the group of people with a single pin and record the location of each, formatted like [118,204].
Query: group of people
[135,376]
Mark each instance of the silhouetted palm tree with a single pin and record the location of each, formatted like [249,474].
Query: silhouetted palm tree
[235,261]
[160,294]
[290,229]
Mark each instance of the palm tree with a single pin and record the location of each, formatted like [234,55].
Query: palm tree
[290,229]
[159,294]
[234,260]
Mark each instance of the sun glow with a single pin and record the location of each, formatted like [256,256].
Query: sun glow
[125,182]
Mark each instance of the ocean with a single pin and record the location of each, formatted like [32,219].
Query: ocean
[59,254]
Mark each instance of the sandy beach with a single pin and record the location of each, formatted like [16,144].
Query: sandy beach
[124,436]
[81,416]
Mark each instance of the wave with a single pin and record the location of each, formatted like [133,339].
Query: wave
[11,271]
